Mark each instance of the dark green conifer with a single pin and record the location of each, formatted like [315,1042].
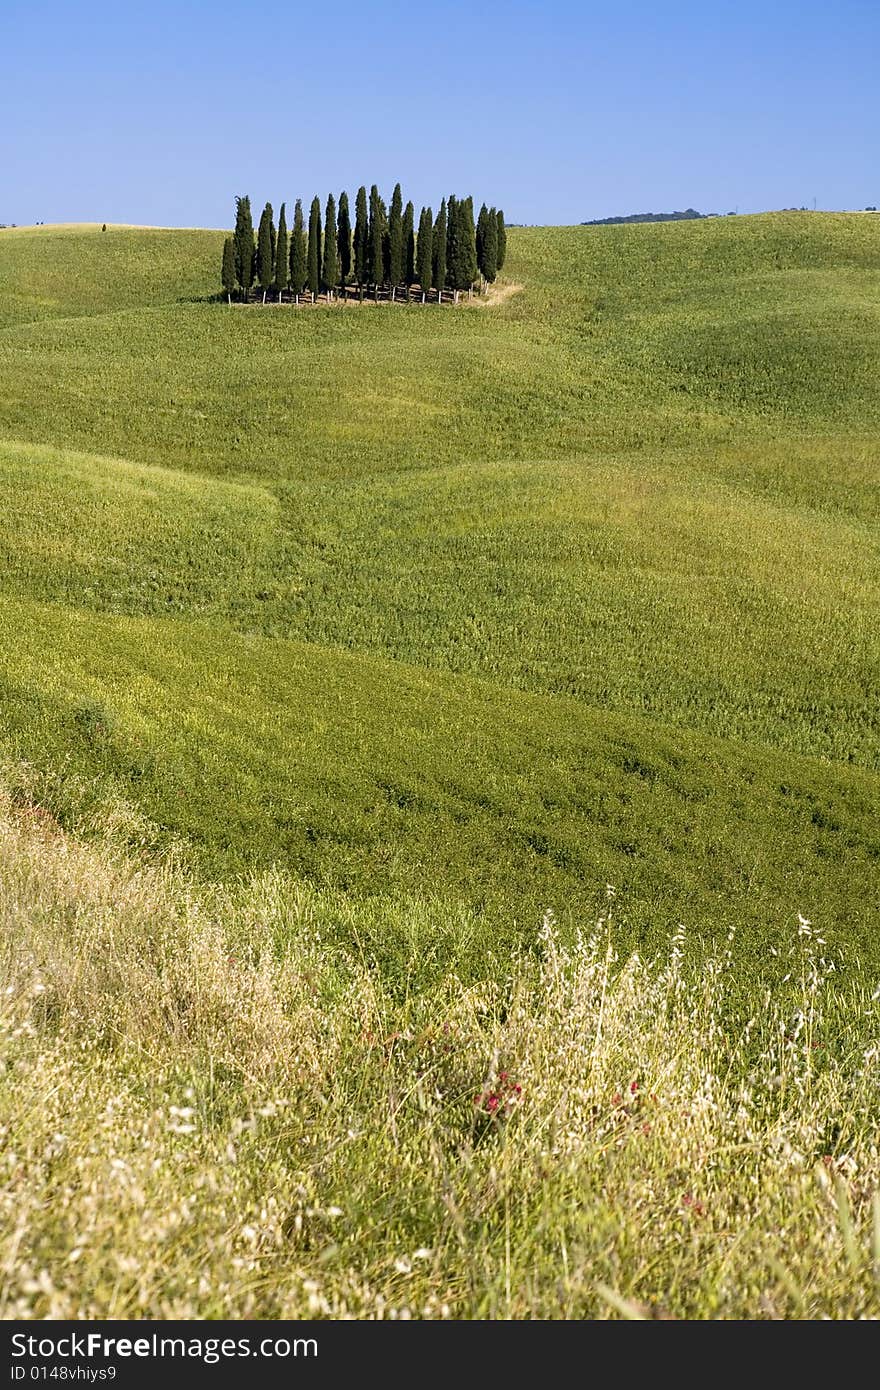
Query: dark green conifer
[462,268]
[281,254]
[314,254]
[265,264]
[266,270]
[227,273]
[330,265]
[502,241]
[378,229]
[424,251]
[343,239]
[481,234]
[409,245]
[298,258]
[438,268]
[243,238]
[489,263]
[469,243]
[396,247]
[361,237]
[451,235]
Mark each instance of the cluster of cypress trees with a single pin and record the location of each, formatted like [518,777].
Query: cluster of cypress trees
[383,250]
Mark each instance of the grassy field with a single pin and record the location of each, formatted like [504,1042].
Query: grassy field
[223,1105]
[437,620]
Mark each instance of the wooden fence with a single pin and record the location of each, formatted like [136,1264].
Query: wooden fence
[367,294]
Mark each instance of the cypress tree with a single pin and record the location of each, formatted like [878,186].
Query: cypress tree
[425,258]
[298,259]
[438,268]
[361,237]
[281,254]
[396,247]
[265,265]
[227,273]
[376,249]
[502,241]
[469,243]
[409,245]
[330,267]
[451,235]
[462,269]
[481,234]
[314,255]
[243,239]
[343,241]
[489,266]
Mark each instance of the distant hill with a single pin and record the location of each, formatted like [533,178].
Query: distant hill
[688,215]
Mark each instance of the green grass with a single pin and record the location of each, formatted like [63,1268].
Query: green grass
[338,646]
[378,777]
[507,602]
[228,1102]
[598,578]
[66,272]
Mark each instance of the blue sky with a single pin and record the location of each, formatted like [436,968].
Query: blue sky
[557,111]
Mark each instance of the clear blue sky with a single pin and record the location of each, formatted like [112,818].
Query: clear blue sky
[556,110]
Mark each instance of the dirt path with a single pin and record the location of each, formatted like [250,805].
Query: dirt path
[497,294]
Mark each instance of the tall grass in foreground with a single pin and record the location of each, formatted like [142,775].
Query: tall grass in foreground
[212,1108]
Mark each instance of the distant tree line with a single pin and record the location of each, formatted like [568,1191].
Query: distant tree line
[688,215]
[385,249]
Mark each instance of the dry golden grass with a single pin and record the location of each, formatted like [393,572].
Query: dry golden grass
[210,1108]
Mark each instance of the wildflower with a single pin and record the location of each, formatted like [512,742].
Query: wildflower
[503,1096]
[633,1087]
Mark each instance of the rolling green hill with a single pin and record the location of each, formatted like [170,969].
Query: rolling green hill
[497,604]
[372,682]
